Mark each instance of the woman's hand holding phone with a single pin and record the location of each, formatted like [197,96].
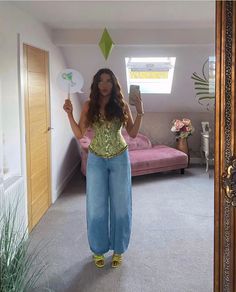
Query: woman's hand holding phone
[134,92]
[135,98]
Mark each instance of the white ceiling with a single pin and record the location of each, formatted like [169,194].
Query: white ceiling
[121,14]
[184,29]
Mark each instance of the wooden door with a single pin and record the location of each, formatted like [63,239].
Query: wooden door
[225,149]
[37,132]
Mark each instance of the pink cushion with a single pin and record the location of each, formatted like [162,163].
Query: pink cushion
[159,157]
[137,143]
[84,143]
[86,139]
[89,133]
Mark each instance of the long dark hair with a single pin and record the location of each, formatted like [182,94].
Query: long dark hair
[115,108]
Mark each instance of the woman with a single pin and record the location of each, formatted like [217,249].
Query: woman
[108,174]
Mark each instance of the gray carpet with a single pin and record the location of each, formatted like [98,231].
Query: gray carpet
[171,247]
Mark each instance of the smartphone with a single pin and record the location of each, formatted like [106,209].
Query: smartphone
[134,90]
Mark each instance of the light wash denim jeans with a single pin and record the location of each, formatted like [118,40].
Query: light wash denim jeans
[109,202]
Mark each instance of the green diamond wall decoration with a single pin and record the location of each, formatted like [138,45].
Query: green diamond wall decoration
[106,44]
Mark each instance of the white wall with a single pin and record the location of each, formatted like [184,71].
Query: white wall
[9,101]
[88,59]
[32,32]
[160,109]
[157,127]
[1,150]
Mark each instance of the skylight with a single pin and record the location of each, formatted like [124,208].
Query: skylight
[153,75]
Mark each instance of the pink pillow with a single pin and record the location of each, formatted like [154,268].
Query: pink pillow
[139,142]
[89,133]
[84,143]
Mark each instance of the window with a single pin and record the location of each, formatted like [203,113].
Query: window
[153,75]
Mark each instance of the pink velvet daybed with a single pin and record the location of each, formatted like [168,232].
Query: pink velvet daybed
[144,157]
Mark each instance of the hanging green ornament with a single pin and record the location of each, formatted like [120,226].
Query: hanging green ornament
[106,44]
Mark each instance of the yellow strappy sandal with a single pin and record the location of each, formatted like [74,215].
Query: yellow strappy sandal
[116,260]
[99,260]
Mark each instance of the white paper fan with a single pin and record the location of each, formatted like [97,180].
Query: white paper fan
[70,81]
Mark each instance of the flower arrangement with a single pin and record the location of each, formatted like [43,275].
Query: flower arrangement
[182,128]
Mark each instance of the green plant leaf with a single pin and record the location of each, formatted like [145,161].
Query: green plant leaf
[206,97]
[202,85]
[18,269]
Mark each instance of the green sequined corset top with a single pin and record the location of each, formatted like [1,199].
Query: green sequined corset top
[108,140]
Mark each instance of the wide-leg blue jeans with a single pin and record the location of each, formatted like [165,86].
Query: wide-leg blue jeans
[109,202]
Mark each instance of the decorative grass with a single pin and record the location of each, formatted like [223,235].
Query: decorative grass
[20,268]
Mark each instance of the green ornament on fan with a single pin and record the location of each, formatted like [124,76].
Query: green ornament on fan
[68,76]
[106,44]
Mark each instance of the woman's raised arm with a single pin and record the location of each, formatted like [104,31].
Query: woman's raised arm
[132,127]
[80,128]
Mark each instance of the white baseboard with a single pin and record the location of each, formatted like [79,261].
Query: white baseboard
[199,160]
[64,183]
[195,160]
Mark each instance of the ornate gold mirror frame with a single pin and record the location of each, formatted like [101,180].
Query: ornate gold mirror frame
[225,149]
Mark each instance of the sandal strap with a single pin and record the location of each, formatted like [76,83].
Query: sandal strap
[117,258]
[98,257]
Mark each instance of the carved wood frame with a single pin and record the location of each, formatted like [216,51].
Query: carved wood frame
[225,146]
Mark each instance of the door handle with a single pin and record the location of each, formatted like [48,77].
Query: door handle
[48,129]
[229,182]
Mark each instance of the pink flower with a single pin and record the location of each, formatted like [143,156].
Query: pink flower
[178,125]
[186,122]
[182,128]
[173,129]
